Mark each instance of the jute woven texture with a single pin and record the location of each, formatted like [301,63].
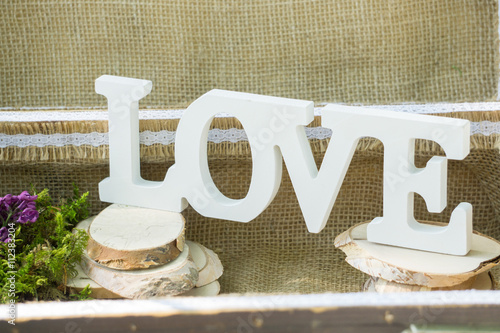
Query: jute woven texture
[274,253]
[374,51]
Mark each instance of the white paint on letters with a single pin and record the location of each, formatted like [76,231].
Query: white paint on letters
[275,128]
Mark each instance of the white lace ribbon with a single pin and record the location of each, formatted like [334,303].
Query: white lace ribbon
[165,137]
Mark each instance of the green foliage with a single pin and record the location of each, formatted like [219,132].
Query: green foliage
[82,295]
[46,251]
[77,209]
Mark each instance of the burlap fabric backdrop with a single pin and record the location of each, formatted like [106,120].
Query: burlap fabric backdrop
[275,252]
[326,51]
[373,51]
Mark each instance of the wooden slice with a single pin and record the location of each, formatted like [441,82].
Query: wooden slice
[128,238]
[211,289]
[85,224]
[414,267]
[212,271]
[176,277]
[482,281]
[198,254]
[208,263]
[82,280]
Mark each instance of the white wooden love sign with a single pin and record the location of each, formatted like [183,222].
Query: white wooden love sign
[275,130]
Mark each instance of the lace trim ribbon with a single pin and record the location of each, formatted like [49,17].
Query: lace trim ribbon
[233,135]
[165,137]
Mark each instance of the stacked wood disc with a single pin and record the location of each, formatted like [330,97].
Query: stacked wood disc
[209,269]
[397,269]
[126,238]
[141,253]
[82,280]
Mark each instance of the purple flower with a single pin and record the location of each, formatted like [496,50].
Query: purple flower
[25,196]
[4,235]
[9,200]
[21,208]
[28,215]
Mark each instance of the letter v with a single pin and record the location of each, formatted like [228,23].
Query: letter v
[317,190]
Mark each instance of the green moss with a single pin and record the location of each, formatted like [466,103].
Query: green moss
[46,251]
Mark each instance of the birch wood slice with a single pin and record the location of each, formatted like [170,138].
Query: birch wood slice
[211,289]
[128,238]
[212,271]
[176,277]
[198,254]
[414,267]
[85,224]
[82,280]
[482,281]
[208,263]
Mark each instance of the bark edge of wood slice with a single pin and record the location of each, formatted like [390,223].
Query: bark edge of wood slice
[81,280]
[174,278]
[415,267]
[483,281]
[129,238]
